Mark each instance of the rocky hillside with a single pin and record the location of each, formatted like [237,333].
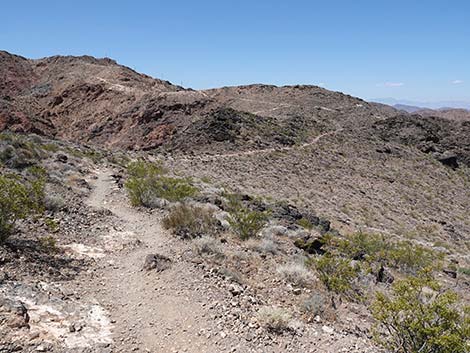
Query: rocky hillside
[98,101]
[281,219]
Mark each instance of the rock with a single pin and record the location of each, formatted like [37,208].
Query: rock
[327,329]
[450,273]
[449,160]
[14,313]
[235,289]
[274,231]
[311,246]
[61,158]
[384,276]
[296,291]
[156,262]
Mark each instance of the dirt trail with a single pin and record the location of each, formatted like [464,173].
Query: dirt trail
[153,312]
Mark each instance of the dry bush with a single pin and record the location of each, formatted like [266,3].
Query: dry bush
[274,318]
[190,221]
[207,245]
[296,273]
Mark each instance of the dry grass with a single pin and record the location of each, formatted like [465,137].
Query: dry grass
[274,318]
[296,274]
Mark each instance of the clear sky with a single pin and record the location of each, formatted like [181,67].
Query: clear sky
[418,50]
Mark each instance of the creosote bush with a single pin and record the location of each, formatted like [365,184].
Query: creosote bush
[190,221]
[147,183]
[18,200]
[420,317]
[336,272]
[244,222]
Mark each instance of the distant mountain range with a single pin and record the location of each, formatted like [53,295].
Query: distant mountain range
[413,106]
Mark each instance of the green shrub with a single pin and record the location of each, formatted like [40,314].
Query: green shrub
[146,184]
[19,152]
[372,247]
[48,244]
[245,222]
[419,317]
[305,223]
[18,200]
[464,270]
[336,272]
[190,221]
[412,258]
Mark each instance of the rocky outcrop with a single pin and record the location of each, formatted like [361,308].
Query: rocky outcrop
[446,140]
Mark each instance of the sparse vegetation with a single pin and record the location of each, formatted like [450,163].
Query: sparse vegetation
[274,319]
[147,183]
[337,273]
[48,244]
[244,222]
[464,270]
[305,223]
[412,258]
[420,317]
[264,246]
[54,202]
[315,305]
[207,245]
[190,221]
[18,200]
[296,273]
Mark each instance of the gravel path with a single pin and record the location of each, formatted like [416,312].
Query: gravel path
[154,312]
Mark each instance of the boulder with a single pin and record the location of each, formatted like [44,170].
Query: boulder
[156,262]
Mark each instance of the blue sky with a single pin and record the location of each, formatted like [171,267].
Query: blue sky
[418,50]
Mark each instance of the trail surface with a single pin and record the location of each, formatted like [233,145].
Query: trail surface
[153,312]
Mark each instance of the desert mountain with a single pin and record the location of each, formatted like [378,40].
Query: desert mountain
[98,101]
[138,215]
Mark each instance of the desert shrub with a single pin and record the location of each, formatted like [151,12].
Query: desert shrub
[19,152]
[146,183]
[274,319]
[189,221]
[50,147]
[418,317]
[243,221]
[315,305]
[207,245]
[52,224]
[412,258]
[18,200]
[296,273]
[54,202]
[305,223]
[464,270]
[336,272]
[48,244]
[358,246]
[266,246]
[373,248]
